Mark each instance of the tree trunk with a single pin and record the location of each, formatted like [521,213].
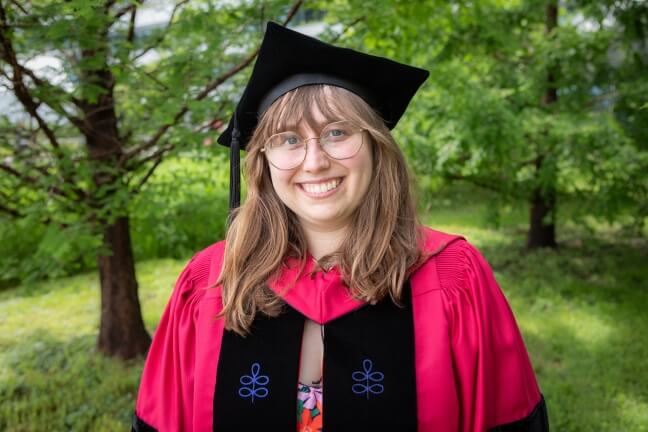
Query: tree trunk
[542,214]
[121,332]
[542,227]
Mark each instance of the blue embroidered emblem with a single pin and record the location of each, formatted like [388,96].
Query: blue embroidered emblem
[367,381]
[254,385]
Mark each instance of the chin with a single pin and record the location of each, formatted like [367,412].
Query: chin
[326,220]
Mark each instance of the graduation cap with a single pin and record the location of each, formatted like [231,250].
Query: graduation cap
[288,60]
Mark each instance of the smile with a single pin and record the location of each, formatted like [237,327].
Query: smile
[321,187]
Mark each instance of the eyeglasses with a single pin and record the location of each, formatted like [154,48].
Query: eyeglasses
[339,140]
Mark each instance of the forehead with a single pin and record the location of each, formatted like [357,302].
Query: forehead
[308,108]
[314,122]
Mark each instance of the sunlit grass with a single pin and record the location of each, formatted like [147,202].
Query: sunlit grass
[50,375]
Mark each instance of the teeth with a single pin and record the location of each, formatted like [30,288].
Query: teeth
[321,187]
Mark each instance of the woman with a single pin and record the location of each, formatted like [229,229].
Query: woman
[329,307]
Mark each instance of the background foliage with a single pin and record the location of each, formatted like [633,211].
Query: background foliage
[478,119]
[482,119]
[180,212]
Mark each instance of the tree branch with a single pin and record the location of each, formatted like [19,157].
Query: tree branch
[27,156]
[57,107]
[126,136]
[476,181]
[158,155]
[126,9]
[28,180]
[19,6]
[148,75]
[155,155]
[346,28]
[131,26]
[23,177]
[166,29]
[41,82]
[293,10]
[531,161]
[11,212]
[127,155]
[158,159]
[19,88]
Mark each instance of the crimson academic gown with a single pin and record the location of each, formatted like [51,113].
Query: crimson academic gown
[451,359]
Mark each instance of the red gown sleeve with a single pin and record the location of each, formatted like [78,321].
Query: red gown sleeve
[495,382]
[166,392]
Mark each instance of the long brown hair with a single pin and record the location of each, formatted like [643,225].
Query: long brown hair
[375,258]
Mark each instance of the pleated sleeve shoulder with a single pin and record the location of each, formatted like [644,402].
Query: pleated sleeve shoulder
[496,385]
[166,394]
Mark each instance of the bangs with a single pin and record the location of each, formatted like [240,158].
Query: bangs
[302,104]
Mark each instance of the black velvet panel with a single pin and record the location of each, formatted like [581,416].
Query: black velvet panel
[140,425]
[256,385]
[537,421]
[369,370]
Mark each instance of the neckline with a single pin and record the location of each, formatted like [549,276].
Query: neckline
[320,296]
[309,387]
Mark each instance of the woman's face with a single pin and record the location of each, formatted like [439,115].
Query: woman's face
[304,189]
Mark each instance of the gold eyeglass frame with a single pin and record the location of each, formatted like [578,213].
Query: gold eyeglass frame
[319,138]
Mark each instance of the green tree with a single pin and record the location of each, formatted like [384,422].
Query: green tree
[537,100]
[88,136]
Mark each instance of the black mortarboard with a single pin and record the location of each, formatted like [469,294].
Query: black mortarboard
[288,60]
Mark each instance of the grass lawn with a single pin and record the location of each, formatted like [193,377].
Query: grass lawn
[581,309]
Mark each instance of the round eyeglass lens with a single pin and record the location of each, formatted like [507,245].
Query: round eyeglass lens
[285,150]
[341,140]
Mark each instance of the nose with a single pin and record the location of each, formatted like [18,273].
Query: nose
[316,160]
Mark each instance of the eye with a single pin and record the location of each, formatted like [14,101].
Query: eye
[291,140]
[335,135]
[338,131]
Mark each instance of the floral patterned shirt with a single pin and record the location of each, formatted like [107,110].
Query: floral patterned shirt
[309,408]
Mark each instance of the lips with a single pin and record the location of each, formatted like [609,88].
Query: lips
[321,187]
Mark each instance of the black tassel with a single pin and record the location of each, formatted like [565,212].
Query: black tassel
[235,169]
